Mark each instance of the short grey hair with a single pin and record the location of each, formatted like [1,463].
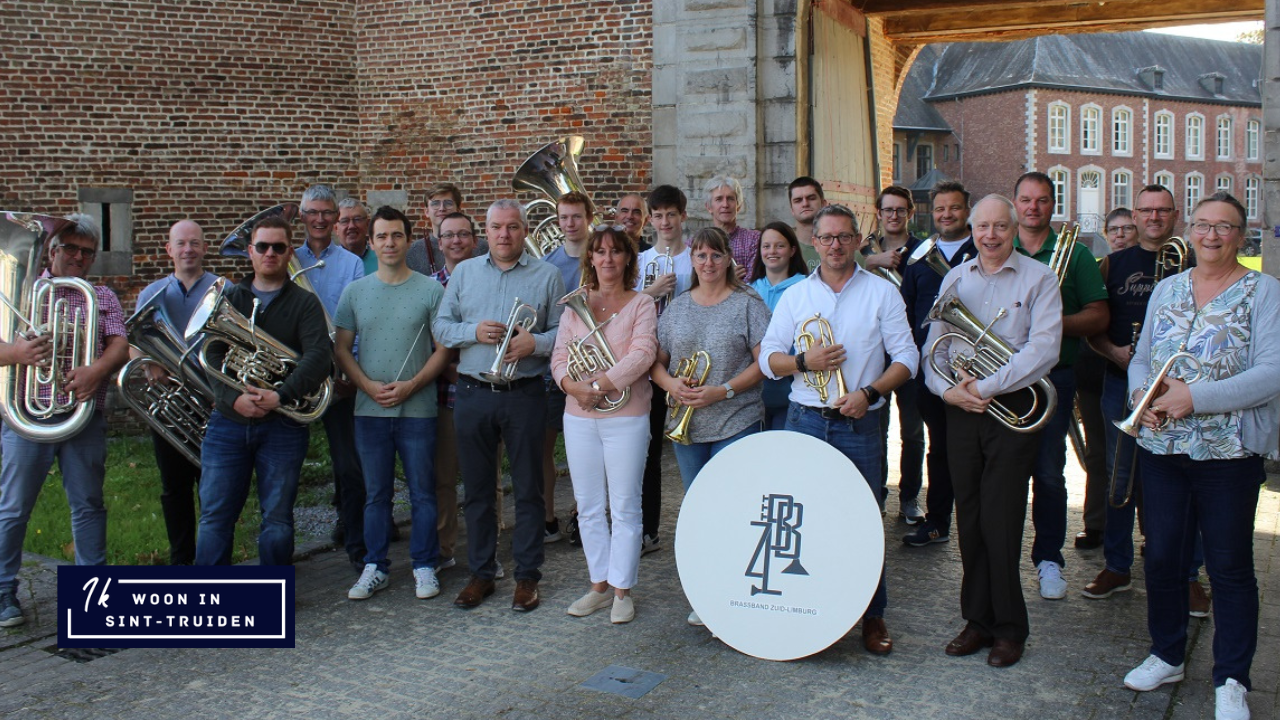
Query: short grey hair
[720,181]
[350,202]
[1004,201]
[507,204]
[319,193]
[839,211]
[86,227]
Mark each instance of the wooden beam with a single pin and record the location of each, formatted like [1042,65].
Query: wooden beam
[907,7]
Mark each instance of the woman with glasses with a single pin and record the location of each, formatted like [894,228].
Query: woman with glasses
[1201,443]
[779,265]
[1122,231]
[606,434]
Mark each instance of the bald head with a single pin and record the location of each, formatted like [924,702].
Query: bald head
[186,248]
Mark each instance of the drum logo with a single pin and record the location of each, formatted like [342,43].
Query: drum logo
[780,520]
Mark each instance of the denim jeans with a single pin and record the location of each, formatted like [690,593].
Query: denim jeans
[379,440]
[1048,479]
[860,441]
[274,448]
[911,432]
[692,457]
[82,459]
[1221,496]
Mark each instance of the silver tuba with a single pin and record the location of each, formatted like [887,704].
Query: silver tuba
[929,253]
[552,171]
[587,358]
[38,311]
[252,357]
[177,404]
[990,353]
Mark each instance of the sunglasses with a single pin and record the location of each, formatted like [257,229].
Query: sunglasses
[277,248]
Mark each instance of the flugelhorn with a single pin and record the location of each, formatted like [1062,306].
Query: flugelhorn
[73,333]
[695,368]
[523,316]
[1120,444]
[893,276]
[990,353]
[820,380]
[1131,425]
[591,354]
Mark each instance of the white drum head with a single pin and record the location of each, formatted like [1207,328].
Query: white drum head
[779,545]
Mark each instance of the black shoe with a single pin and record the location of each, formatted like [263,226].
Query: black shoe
[926,534]
[551,531]
[1088,539]
[395,532]
[339,536]
[571,529]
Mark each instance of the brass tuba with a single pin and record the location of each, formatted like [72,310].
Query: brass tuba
[1172,257]
[587,358]
[990,353]
[252,358]
[696,367]
[820,380]
[178,404]
[73,333]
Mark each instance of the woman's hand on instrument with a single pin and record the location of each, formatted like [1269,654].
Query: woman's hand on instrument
[586,396]
[521,346]
[490,332]
[824,358]
[704,395]
[1173,404]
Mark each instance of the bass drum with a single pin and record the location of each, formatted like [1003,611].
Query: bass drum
[779,545]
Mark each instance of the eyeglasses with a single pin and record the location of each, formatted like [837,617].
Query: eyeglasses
[603,227]
[326,214]
[356,220]
[77,251]
[893,212]
[1121,229]
[460,235]
[1222,229]
[715,258]
[277,248]
[1155,211]
[442,204]
[829,240]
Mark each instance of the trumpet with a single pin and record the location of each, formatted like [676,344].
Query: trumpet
[990,353]
[1060,258]
[524,316]
[1172,257]
[696,367]
[660,265]
[893,276]
[820,380]
[587,359]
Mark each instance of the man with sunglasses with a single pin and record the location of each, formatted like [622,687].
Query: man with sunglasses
[872,348]
[341,268]
[244,433]
[82,457]
[353,231]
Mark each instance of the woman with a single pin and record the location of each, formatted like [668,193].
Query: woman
[779,265]
[1201,447]
[606,451]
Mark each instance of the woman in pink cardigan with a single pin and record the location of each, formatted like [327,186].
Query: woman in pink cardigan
[607,450]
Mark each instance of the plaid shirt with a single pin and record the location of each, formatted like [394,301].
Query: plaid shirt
[447,391]
[744,244]
[110,322]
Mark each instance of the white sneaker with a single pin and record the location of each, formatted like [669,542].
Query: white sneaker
[425,583]
[649,543]
[371,581]
[1152,673]
[1230,704]
[590,603]
[499,573]
[1052,586]
[694,619]
[624,610]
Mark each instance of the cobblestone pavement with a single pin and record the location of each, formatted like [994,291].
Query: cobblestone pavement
[395,656]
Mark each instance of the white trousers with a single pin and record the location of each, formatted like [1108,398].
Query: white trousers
[606,461]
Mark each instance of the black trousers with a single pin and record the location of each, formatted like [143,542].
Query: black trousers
[991,469]
[651,485]
[941,496]
[1089,369]
[178,482]
[348,478]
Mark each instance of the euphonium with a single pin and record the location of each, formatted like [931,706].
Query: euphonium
[820,380]
[660,265]
[893,276]
[253,358]
[524,316]
[73,334]
[990,353]
[696,367]
[931,255]
[177,406]
[588,358]
[1060,258]
[1172,257]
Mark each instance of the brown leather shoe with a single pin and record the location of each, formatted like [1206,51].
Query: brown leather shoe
[1197,600]
[1005,653]
[875,636]
[526,598]
[969,641]
[1106,584]
[474,593]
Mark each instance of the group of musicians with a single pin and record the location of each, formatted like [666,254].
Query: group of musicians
[453,348]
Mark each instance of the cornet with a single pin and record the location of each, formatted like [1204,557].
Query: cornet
[524,316]
[696,367]
[820,380]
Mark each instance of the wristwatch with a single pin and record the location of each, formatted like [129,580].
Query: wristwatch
[873,395]
[728,391]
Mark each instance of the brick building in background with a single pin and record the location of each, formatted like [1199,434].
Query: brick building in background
[1102,114]
[145,112]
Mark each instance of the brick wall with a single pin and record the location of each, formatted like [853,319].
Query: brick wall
[989,130]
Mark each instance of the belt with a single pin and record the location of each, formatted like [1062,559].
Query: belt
[826,413]
[499,387]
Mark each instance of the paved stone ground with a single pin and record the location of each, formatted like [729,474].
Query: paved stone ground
[394,656]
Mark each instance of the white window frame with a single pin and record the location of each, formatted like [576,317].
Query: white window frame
[1122,132]
[1061,178]
[1252,191]
[1127,199]
[1192,180]
[1064,121]
[1194,136]
[1223,137]
[1091,127]
[1253,141]
[1224,183]
[1163,175]
[1163,121]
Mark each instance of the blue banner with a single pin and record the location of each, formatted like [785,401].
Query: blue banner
[175,606]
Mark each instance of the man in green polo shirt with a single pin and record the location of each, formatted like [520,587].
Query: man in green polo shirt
[1084,313]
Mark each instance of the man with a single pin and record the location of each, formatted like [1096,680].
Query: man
[396,410]
[340,269]
[631,213]
[1084,307]
[920,284]
[425,255]
[180,293]
[477,304]
[724,202]
[989,461]
[873,349]
[573,213]
[245,434]
[806,198]
[81,456]
[1130,276]
[896,242]
[667,213]
[353,231]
